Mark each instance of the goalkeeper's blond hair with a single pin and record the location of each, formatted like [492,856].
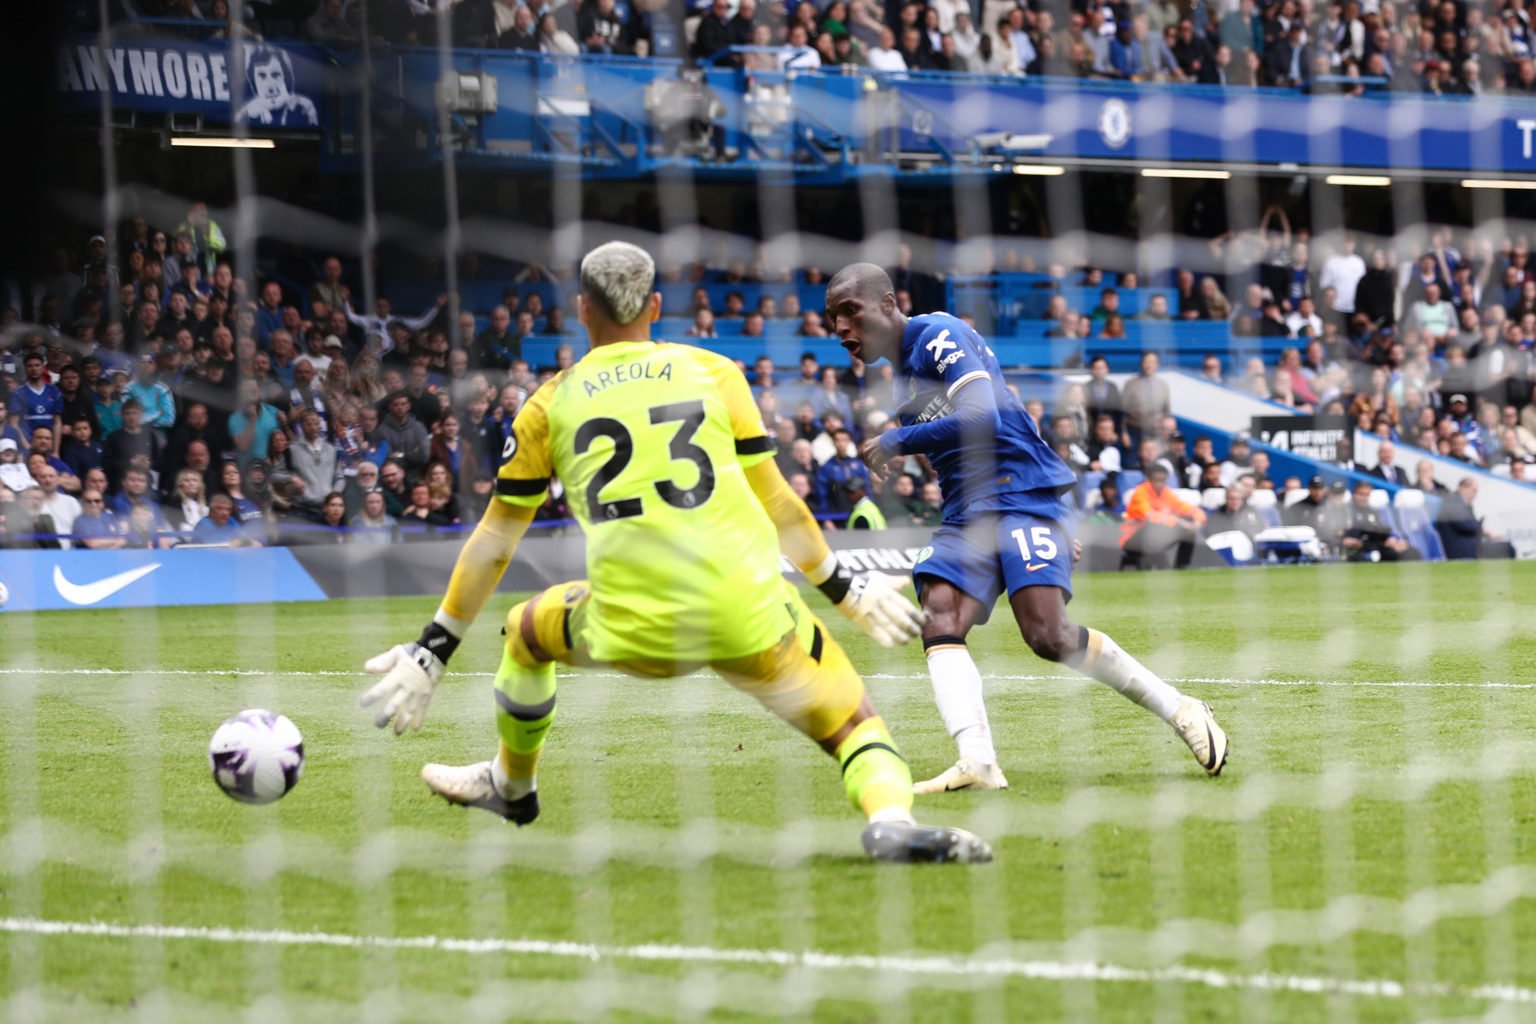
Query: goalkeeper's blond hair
[618,279]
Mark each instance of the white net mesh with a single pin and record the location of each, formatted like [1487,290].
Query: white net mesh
[1363,857]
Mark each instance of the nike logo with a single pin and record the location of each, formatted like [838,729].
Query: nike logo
[1036,566]
[95,593]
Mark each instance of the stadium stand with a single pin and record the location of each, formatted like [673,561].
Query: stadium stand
[143,365]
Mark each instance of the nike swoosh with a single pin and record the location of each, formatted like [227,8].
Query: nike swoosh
[95,593]
[1036,567]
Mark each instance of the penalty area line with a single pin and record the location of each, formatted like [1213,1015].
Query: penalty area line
[931,966]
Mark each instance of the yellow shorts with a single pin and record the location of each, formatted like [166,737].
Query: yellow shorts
[806,678]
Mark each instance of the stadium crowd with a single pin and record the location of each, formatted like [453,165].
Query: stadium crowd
[1331,46]
[158,397]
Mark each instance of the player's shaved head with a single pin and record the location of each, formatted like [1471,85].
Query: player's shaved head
[617,279]
[865,281]
[862,312]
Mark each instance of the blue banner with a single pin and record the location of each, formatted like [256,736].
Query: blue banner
[62,580]
[1225,125]
[269,88]
[592,110]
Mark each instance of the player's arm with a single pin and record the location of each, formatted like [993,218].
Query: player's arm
[873,600]
[412,671]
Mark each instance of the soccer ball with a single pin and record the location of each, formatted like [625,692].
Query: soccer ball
[256,756]
[5,595]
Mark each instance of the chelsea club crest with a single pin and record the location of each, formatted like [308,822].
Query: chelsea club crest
[1115,123]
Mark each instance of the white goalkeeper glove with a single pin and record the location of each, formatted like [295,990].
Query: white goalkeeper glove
[411,672]
[873,600]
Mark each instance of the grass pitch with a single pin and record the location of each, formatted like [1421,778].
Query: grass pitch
[1368,855]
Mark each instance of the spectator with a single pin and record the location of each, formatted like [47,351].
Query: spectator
[97,528]
[135,491]
[1102,396]
[36,402]
[372,524]
[77,400]
[220,525]
[1366,537]
[1157,520]
[831,398]
[885,56]
[1214,300]
[132,446]
[1146,400]
[1104,452]
[61,509]
[522,34]
[313,459]
[187,505]
[14,475]
[82,452]
[714,34]
[1156,308]
[497,346]
[1387,468]
[843,466]
[153,395]
[601,30]
[1433,316]
[408,440]
[392,482]
[1343,271]
[251,427]
[1234,514]
[555,40]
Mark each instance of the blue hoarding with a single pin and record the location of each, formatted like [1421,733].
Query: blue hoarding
[61,580]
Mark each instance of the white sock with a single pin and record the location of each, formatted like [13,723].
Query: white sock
[507,787]
[1105,661]
[892,814]
[957,691]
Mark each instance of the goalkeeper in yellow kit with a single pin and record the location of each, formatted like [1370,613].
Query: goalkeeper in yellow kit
[685,512]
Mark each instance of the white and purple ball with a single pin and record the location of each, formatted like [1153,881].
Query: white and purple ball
[256,756]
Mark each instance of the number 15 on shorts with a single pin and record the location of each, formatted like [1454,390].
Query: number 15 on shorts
[1037,547]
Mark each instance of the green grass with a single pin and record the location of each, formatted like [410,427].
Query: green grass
[1361,831]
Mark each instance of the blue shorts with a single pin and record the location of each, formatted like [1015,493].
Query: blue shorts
[992,553]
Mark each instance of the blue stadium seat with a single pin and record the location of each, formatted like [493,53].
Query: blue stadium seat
[1415,522]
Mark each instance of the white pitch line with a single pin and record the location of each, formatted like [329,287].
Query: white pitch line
[878,676]
[946,966]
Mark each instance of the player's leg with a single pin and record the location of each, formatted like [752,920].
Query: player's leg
[957,688]
[809,682]
[1036,559]
[1041,611]
[957,584]
[538,634]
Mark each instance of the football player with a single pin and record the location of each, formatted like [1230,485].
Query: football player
[1004,527]
[673,479]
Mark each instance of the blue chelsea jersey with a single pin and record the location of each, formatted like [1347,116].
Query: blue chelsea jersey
[1011,467]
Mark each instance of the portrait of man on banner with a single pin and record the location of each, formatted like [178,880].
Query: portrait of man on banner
[274,100]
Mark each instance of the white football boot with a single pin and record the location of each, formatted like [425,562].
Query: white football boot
[472,785]
[1197,727]
[966,773]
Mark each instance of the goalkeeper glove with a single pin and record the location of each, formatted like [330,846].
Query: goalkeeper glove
[875,603]
[411,672]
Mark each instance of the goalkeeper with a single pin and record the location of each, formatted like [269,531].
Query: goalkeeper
[677,491]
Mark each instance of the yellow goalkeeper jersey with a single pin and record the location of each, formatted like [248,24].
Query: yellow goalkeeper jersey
[649,439]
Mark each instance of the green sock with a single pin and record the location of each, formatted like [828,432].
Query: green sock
[525,709]
[875,777]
